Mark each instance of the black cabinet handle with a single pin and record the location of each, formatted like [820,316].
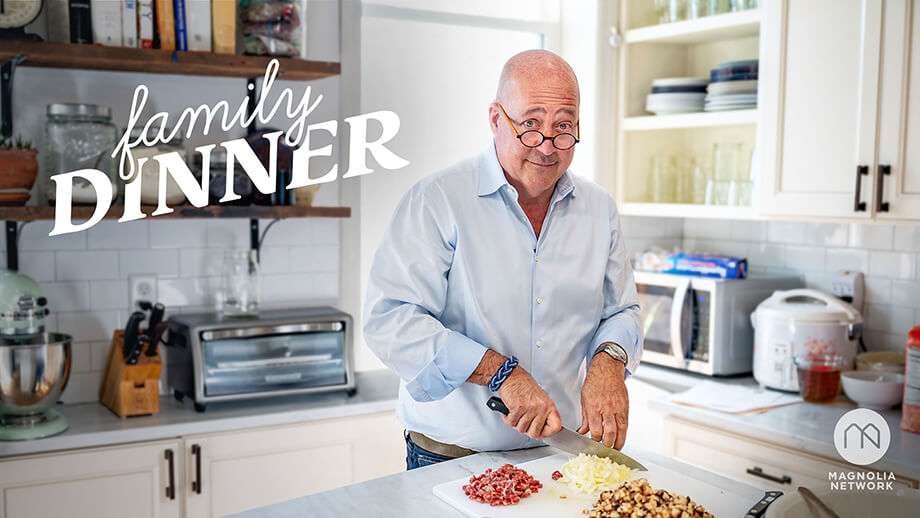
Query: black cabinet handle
[196,484]
[171,463]
[859,205]
[758,472]
[883,171]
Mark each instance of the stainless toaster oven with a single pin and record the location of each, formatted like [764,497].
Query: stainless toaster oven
[280,352]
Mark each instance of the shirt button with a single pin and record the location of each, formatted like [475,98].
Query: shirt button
[536,259]
[539,343]
[539,300]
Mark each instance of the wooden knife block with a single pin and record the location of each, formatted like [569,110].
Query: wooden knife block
[130,390]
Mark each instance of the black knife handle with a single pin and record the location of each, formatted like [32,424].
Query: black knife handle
[760,508]
[496,404]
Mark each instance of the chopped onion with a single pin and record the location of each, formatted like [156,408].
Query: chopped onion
[590,474]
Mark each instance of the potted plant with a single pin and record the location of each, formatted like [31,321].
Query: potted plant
[18,169]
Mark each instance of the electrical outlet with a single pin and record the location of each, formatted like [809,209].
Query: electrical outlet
[849,286]
[142,287]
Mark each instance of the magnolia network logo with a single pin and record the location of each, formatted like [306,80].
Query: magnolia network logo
[861,437]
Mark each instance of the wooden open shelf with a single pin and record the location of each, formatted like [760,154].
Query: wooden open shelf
[35,213]
[155,61]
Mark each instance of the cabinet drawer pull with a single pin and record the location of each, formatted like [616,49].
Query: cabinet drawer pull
[196,484]
[883,171]
[859,205]
[758,472]
[171,466]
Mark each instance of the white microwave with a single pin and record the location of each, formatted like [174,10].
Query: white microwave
[701,324]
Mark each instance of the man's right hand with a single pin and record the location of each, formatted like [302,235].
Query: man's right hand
[531,411]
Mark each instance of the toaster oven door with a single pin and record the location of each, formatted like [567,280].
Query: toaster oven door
[262,360]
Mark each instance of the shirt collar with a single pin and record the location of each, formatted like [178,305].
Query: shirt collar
[492,177]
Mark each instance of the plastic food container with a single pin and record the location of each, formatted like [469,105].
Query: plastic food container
[819,376]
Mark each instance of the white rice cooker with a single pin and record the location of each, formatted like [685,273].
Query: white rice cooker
[801,322]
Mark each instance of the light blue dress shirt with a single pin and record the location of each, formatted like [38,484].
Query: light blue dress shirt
[460,270]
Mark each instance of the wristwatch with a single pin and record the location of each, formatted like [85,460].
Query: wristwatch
[614,350]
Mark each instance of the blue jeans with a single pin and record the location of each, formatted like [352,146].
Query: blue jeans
[418,457]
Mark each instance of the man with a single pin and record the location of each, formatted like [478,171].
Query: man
[500,276]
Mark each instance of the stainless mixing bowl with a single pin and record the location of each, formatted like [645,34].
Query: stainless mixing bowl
[34,371]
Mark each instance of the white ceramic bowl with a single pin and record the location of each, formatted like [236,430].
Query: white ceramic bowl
[876,390]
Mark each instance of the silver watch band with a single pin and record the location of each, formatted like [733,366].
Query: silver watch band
[615,351]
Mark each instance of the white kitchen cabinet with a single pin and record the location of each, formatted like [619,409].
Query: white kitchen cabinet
[232,472]
[818,96]
[899,128]
[137,481]
[748,460]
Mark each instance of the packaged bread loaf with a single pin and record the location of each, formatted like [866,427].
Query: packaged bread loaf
[910,417]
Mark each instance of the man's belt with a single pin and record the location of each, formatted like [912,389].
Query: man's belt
[447,450]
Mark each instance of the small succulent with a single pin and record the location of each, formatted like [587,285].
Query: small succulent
[15,144]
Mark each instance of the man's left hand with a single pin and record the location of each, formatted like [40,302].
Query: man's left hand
[605,402]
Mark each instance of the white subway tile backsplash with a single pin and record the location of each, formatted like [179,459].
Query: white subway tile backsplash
[108,294]
[883,341]
[111,234]
[786,232]
[873,237]
[826,234]
[290,232]
[748,230]
[187,291]
[274,259]
[905,293]
[325,286]
[179,233]
[314,259]
[229,233]
[82,266]
[89,326]
[100,354]
[888,318]
[82,387]
[907,238]
[67,296]
[766,254]
[707,228]
[34,236]
[878,290]
[840,259]
[804,257]
[896,265]
[200,262]
[324,231]
[81,357]
[37,265]
[288,288]
[162,262]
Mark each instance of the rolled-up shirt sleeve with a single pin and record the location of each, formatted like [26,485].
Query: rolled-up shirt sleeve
[406,294]
[620,320]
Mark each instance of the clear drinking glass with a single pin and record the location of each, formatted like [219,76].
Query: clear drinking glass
[677,10]
[718,6]
[239,293]
[700,178]
[661,188]
[663,11]
[697,9]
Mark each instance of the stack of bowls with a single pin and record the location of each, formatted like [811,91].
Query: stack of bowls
[676,95]
[732,86]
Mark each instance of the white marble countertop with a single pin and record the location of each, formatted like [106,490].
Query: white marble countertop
[92,424]
[409,494]
[804,426]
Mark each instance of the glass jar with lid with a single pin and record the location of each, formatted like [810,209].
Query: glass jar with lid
[78,136]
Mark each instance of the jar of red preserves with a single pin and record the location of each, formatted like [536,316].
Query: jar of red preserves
[910,412]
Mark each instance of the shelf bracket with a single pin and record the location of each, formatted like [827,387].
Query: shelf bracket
[12,245]
[6,94]
[254,237]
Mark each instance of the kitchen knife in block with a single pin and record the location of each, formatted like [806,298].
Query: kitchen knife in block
[573,442]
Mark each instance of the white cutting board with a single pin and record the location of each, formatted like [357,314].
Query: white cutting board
[548,502]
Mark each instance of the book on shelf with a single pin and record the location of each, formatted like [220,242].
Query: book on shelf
[57,20]
[198,24]
[181,28]
[146,23]
[223,26]
[81,24]
[106,22]
[129,23]
[166,25]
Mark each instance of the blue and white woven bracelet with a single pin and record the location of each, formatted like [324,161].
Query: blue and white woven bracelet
[502,374]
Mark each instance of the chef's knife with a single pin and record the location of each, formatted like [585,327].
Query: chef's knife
[132,344]
[575,443]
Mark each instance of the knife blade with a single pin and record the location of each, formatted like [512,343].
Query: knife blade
[575,443]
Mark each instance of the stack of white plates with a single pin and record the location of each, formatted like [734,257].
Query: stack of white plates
[733,86]
[676,95]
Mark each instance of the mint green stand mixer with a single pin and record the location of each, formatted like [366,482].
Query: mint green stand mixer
[34,364]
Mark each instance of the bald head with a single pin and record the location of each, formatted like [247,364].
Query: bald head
[534,67]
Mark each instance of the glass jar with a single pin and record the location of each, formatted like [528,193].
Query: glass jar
[78,136]
[150,180]
[217,184]
[240,288]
